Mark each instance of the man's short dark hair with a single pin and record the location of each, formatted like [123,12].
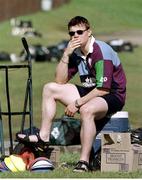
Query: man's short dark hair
[78,20]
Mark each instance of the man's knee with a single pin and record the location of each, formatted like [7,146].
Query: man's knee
[49,88]
[86,111]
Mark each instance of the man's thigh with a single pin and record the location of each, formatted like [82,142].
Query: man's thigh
[97,106]
[66,93]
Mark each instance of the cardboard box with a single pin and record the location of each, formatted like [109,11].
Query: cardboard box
[118,154]
[53,154]
[118,122]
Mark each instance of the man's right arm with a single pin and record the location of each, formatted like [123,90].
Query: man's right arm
[61,75]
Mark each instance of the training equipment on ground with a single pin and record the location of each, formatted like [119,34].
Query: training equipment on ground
[18,162]
[41,164]
[10,165]
[3,167]
[27,155]
[15,163]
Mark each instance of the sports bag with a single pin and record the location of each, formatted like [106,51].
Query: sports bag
[65,131]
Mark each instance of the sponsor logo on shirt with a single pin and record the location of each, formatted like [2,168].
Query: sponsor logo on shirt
[88,82]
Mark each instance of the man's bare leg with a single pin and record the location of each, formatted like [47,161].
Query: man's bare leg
[52,92]
[91,111]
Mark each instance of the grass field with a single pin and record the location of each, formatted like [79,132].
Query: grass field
[106,17]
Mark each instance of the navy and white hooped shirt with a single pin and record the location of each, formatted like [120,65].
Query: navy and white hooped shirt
[100,69]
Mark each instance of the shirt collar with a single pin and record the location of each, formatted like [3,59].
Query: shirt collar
[91,44]
[78,51]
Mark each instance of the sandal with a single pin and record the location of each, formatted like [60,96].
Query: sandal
[82,166]
[40,144]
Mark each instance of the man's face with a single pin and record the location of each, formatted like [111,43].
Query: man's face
[80,32]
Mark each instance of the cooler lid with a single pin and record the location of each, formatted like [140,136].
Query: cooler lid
[120,114]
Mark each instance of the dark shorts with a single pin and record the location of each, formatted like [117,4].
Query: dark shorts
[114,104]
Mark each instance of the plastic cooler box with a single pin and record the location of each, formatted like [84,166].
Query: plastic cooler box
[118,122]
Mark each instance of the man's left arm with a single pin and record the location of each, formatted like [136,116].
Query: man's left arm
[97,92]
